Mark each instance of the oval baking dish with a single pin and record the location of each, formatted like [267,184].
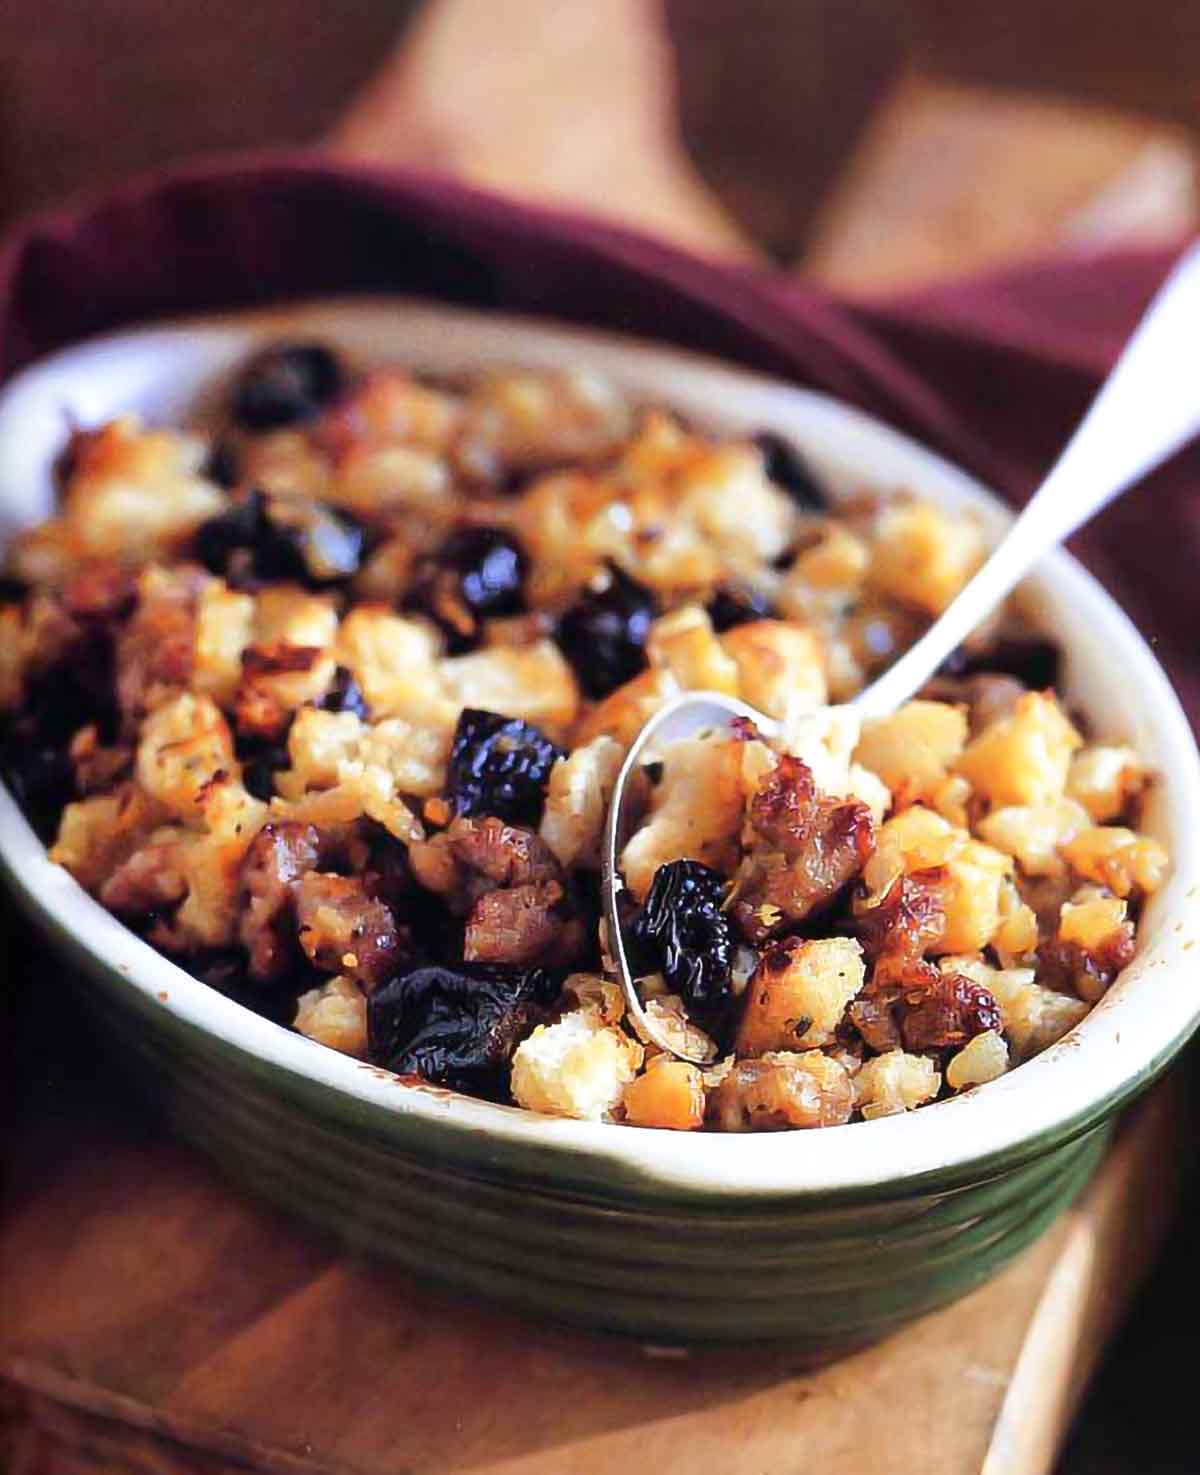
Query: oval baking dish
[824,1238]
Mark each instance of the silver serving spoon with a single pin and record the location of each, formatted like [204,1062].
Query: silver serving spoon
[1148,408]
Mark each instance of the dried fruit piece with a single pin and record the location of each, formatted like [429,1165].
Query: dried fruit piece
[261,761]
[1034,662]
[682,933]
[736,604]
[458,1026]
[224,464]
[285,384]
[604,634]
[475,575]
[42,781]
[787,468]
[500,766]
[74,693]
[345,695]
[259,537]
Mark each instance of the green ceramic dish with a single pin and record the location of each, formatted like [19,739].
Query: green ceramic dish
[825,1239]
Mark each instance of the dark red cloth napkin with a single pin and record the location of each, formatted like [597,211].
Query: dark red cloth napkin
[993,372]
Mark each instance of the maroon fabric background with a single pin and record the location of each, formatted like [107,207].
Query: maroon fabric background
[993,372]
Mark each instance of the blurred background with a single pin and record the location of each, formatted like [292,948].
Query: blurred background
[871,144]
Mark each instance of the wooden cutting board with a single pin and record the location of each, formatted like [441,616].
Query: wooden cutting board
[155,1319]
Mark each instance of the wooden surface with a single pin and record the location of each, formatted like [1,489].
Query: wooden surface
[153,1319]
[156,1320]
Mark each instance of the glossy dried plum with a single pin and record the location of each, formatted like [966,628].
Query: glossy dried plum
[34,758]
[285,384]
[238,529]
[604,634]
[260,766]
[682,933]
[476,574]
[223,464]
[267,538]
[42,781]
[1034,662]
[500,766]
[77,690]
[329,545]
[734,604]
[458,1026]
[787,468]
[345,695]
[437,933]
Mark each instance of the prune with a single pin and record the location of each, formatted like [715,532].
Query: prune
[459,1025]
[682,933]
[475,575]
[235,531]
[500,766]
[222,465]
[604,634]
[42,781]
[734,604]
[259,767]
[345,695]
[76,692]
[787,468]
[1034,662]
[286,384]
[263,538]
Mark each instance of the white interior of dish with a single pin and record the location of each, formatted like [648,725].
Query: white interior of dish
[168,374]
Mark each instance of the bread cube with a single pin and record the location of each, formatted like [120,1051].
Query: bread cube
[894,1082]
[669,1093]
[782,1090]
[1035,834]
[577,797]
[684,643]
[1117,858]
[924,555]
[1023,758]
[980,1060]
[335,1015]
[780,666]
[912,748]
[578,1067]
[532,682]
[1104,778]
[798,994]
[695,812]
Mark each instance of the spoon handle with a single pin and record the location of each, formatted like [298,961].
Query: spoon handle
[1147,409]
